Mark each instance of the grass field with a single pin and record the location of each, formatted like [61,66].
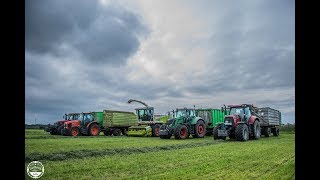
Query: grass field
[154,158]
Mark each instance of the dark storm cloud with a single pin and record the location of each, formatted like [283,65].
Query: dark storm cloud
[100,34]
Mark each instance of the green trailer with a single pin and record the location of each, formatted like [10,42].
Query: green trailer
[117,122]
[212,117]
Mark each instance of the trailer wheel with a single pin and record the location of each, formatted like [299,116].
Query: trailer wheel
[124,132]
[165,136]
[200,129]
[116,132]
[256,130]
[181,132]
[275,131]
[94,130]
[266,131]
[75,131]
[107,132]
[155,130]
[242,132]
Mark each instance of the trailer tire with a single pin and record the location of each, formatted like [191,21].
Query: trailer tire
[155,130]
[124,132]
[107,132]
[165,136]
[75,131]
[275,131]
[266,131]
[94,130]
[181,132]
[256,130]
[116,132]
[242,132]
[200,129]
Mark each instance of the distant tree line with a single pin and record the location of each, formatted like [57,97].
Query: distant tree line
[35,126]
[287,127]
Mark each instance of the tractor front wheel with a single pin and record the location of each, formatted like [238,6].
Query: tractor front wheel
[156,130]
[200,129]
[215,134]
[242,132]
[94,130]
[75,131]
[181,132]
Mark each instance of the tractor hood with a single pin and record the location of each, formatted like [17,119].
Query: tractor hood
[231,119]
[72,122]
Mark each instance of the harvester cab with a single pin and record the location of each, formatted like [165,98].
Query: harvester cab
[147,125]
[241,124]
[184,123]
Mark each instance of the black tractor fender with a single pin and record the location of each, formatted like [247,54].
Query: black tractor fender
[92,122]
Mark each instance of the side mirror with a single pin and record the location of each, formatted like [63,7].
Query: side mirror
[222,109]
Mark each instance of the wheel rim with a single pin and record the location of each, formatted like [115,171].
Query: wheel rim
[94,130]
[74,132]
[157,131]
[200,130]
[183,133]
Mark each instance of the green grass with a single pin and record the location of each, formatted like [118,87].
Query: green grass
[155,158]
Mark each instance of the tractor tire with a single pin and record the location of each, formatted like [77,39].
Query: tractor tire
[266,131]
[94,130]
[59,130]
[75,131]
[181,132]
[275,131]
[155,130]
[124,132]
[256,130]
[242,132]
[116,132]
[165,136]
[232,136]
[200,129]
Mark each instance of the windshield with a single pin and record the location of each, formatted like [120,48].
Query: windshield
[145,114]
[184,112]
[236,111]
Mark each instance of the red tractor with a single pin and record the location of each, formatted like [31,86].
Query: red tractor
[242,123]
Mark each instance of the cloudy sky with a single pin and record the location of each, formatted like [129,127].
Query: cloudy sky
[83,55]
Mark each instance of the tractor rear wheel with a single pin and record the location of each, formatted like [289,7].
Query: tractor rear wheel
[155,130]
[74,131]
[181,132]
[275,131]
[94,130]
[256,130]
[242,132]
[116,132]
[200,129]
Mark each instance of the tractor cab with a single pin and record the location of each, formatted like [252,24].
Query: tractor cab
[184,113]
[86,118]
[239,113]
[145,114]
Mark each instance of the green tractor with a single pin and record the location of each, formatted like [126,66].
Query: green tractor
[184,124]
[148,125]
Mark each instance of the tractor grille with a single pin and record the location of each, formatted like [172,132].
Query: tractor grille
[229,120]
